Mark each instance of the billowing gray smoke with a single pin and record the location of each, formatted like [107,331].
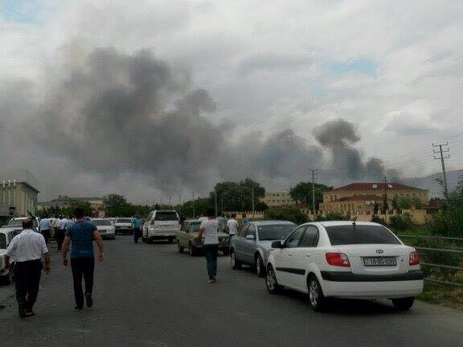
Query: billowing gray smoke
[339,136]
[115,115]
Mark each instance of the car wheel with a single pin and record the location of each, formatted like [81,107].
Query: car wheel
[403,304]
[317,300]
[234,263]
[171,240]
[271,281]
[179,248]
[150,240]
[226,251]
[260,267]
[191,249]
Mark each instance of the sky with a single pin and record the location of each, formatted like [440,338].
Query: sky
[161,100]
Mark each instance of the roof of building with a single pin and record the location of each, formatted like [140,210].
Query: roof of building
[20,176]
[376,187]
[368,197]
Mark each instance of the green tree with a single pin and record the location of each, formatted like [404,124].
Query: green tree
[237,196]
[117,206]
[302,193]
[292,214]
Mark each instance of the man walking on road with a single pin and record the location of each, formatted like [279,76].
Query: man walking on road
[136,226]
[232,225]
[208,228]
[81,234]
[28,248]
[44,227]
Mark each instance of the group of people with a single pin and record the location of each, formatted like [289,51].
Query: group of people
[29,248]
[56,226]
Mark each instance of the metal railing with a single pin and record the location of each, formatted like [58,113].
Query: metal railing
[440,240]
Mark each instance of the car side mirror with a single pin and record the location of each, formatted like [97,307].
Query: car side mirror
[250,237]
[277,244]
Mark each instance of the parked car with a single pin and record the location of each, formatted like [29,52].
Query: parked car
[16,223]
[6,235]
[252,244]
[187,237]
[123,225]
[161,225]
[105,227]
[345,259]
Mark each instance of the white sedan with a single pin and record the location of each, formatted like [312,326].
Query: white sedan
[345,259]
[105,227]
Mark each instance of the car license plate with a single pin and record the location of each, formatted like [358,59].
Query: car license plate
[380,261]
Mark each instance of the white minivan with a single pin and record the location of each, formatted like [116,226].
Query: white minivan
[161,225]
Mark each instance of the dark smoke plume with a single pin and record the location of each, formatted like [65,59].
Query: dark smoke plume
[115,116]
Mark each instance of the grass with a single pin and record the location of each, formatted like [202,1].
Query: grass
[441,294]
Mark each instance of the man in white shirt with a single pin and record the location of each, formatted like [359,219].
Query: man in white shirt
[44,227]
[27,248]
[232,225]
[208,228]
[61,226]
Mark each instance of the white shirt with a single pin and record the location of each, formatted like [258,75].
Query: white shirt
[210,227]
[62,223]
[28,245]
[45,224]
[202,218]
[232,226]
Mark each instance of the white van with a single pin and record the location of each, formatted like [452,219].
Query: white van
[161,225]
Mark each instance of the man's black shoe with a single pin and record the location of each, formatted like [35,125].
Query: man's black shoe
[78,307]
[89,299]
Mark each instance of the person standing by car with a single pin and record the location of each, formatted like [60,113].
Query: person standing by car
[232,225]
[28,248]
[81,234]
[136,227]
[44,228]
[208,228]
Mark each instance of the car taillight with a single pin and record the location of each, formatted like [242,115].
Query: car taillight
[337,259]
[152,222]
[413,258]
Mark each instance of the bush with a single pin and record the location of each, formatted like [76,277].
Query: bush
[375,218]
[292,214]
[333,216]
[401,222]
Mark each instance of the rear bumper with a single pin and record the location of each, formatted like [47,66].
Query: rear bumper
[347,285]
[162,234]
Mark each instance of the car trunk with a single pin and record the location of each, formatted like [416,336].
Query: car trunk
[379,259]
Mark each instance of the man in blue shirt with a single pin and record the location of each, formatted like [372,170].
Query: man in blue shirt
[82,234]
[136,226]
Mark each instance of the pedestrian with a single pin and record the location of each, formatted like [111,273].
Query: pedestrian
[232,225]
[244,220]
[136,226]
[44,227]
[81,234]
[222,222]
[60,227]
[208,228]
[28,248]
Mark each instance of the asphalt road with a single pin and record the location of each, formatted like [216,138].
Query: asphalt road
[149,295]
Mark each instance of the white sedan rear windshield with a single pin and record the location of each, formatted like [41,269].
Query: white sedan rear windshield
[167,216]
[360,235]
[102,222]
[124,220]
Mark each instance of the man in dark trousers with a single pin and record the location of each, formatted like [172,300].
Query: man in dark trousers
[28,248]
[82,234]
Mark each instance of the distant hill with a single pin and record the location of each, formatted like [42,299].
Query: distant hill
[431,183]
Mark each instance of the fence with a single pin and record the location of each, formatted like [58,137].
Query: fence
[444,273]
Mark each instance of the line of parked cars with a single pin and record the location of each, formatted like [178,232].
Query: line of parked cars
[337,259]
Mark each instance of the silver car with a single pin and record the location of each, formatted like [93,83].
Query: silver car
[253,243]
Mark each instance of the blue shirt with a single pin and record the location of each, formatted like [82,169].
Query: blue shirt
[136,222]
[81,234]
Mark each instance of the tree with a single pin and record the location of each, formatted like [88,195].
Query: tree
[302,193]
[292,214]
[237,196]
[117,206]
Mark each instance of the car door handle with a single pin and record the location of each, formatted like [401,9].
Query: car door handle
[307,255]
[290,255]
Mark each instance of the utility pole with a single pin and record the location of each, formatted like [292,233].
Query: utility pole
[194,212]
[252,197]
[215,202]
[313,192]
[442,157]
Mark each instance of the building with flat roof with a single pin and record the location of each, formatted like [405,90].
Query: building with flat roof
[64,201]
[18,192]
[281,198]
